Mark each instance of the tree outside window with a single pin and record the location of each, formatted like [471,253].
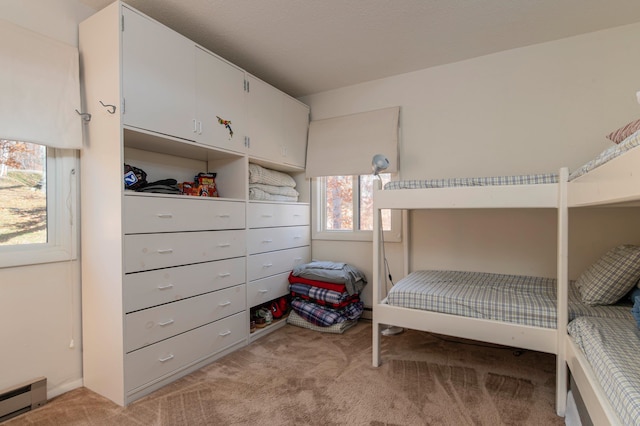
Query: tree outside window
[23,193]
[347,203]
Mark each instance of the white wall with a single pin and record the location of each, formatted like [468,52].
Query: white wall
[527,110]
[40,305]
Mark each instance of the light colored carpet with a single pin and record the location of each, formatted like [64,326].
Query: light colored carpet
[296,376]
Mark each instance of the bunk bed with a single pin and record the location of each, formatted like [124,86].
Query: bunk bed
[601,353]
[608,179]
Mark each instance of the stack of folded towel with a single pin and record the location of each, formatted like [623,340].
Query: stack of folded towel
[271,185]
[326,296]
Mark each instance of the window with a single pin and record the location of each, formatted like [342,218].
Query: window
[37,203]
[344,209]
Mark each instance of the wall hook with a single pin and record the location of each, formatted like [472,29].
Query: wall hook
[111,109]
[85,115]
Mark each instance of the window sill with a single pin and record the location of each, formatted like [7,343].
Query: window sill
[389,237]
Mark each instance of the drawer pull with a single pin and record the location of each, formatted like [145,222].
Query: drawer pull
[224,244]
[165,251]
[296,215]
[224,215]
[267,265]
[224,274]
[165,359]
[267,241]
[165,215]
[267,215]
[225,333]
[297,237]
[195,126]
[165,287]
[263,290]
[167,322]
[227,303]
[298,259]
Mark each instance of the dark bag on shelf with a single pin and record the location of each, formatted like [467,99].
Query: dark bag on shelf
[134,177]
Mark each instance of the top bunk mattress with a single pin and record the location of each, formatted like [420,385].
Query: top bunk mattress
[611,345]
[516,299]
[607,155]
[534,179]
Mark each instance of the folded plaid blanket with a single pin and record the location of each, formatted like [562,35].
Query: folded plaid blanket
[324,316]
[322,296]
[339,328]
[333,272]
[352,299]
[340,288]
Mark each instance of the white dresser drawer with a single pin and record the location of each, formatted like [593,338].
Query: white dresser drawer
[154,362]
[151,325]
[159,214]
[145,289]
[276,262]
[152,251]
[268,239]
[262,215]
[266,289]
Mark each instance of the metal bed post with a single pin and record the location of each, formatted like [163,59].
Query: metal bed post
[377,288]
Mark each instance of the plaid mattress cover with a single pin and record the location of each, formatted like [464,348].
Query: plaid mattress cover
[324,316]
[533,179]
[517,299]
[611,345]
[607,155]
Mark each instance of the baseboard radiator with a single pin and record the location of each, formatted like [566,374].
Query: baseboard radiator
[22,398]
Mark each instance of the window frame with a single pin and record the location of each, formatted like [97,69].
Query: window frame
[318,218]
[62,218]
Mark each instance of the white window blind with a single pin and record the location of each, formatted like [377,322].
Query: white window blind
[39,89]
[345,145]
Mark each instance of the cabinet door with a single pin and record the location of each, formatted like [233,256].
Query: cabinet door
[220,95]
[295,125]
[157,77]
[264,104]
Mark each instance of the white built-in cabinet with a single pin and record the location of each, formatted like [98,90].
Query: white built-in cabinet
[168,280]
[277,122]
[174,87]
[278,240]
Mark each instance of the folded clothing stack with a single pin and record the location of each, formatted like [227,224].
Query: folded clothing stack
[271,185]
[326,296]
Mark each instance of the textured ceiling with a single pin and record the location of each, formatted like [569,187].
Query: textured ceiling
[310,46]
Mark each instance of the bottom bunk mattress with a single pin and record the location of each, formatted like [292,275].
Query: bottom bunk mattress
[517,299]
[611,346]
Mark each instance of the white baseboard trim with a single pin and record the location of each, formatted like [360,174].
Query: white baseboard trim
[64,388]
